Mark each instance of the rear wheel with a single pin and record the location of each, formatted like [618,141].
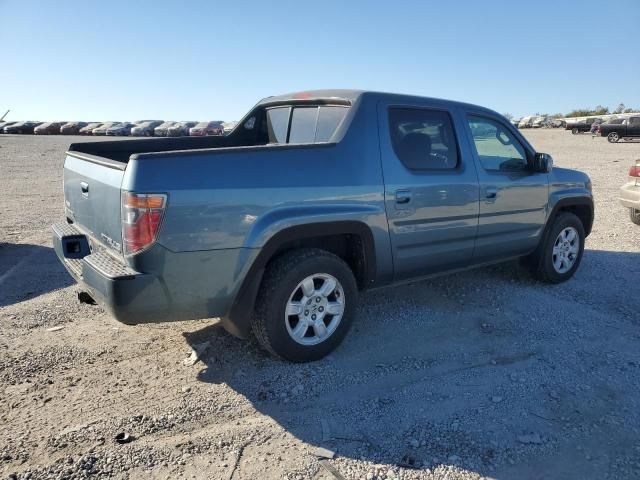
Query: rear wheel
[613,137]
[305,306]
[559,254]
[634,214]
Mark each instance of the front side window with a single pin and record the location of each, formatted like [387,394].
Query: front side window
[496,146]
[423,139]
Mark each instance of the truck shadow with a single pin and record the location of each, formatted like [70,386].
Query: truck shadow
[27,271]
[455,371]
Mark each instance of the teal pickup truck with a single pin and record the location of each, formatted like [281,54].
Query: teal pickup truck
[314,196]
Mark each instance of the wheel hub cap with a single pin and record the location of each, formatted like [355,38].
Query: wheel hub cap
[315,309]
[565,250]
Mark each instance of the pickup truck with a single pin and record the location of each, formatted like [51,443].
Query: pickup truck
[626,130]
[581,126]
[312,197]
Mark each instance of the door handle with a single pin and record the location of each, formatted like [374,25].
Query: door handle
[84,186]
[403,197]
[491,193]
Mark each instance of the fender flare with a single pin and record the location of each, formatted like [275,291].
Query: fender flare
[238,320]
[571,202]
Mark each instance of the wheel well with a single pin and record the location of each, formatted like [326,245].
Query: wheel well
[349,247]
[583,212]
[351,241]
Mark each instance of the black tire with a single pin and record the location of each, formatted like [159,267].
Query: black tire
[634,215]
[541,261]
[280,281]
[613,137]
[575,131]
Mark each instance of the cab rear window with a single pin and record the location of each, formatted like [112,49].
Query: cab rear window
[304,124]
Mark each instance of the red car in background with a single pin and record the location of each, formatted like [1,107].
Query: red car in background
[207,128]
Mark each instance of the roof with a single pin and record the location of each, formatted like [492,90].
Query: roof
[353,94]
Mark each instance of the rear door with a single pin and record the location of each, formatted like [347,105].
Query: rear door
[431,189]
[92,197]
[513,199]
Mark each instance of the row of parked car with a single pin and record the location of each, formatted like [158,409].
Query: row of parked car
[538,121]
[624,128]
[142,128]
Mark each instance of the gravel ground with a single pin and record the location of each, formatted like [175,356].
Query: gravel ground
[483,374]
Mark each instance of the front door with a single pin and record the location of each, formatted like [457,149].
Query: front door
[513,199]
[431,190]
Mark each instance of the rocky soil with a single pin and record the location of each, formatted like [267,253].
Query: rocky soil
[483,374]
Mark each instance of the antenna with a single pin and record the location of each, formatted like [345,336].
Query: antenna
[5,114]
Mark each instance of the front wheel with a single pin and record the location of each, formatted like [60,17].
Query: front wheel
[559,254]
[613,137]
[575,131]
[305,305]
[635,215]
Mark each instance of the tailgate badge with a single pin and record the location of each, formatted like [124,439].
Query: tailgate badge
[110,241]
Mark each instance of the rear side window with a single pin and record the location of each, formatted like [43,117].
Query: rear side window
[423,139]
[309,124]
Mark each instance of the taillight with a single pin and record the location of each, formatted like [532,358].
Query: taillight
[635,171]
[141,217]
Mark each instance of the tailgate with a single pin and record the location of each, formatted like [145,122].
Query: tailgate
[92,197]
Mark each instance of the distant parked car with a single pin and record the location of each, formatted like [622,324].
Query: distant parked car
[5,124]
[48,128]
[627,130]
[102,129]
[630,193]
[180,129]
[72,128]
[207,128]
[539,122]
[525,122]
[21,127]
[228,126]
[161,130]
[89,128]
[145,129]
[122,129]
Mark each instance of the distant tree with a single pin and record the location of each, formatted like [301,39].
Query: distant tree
[620,109]
[557,115]
[629,110]
[600,110]
[585,112]
[508,116]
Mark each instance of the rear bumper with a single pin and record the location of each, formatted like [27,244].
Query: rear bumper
[630,195]
[175,286]
[121,290]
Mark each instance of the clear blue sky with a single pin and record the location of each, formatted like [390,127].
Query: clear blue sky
[127,60]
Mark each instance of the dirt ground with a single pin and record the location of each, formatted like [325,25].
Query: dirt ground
[480,374]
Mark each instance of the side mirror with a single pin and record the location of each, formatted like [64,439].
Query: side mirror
[542,163]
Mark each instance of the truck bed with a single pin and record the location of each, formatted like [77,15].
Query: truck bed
[121,150]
